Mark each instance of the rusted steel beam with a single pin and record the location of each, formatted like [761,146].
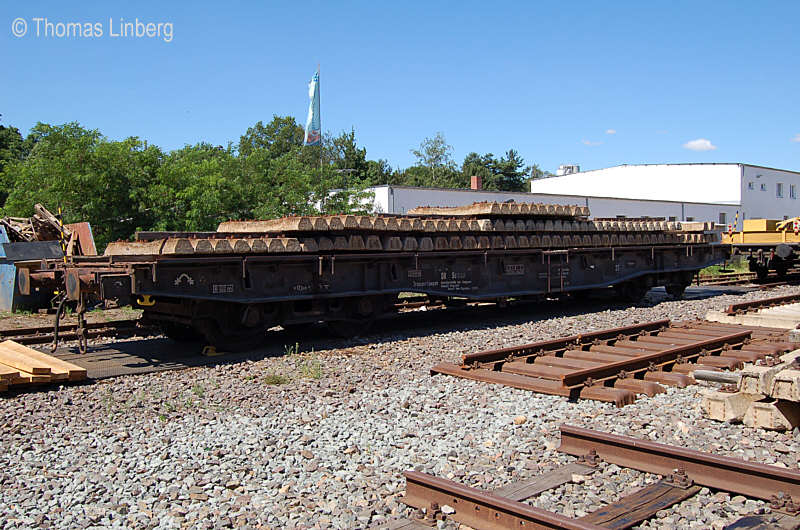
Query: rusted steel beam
[757,304]
[480,509]
[719,472]
[561,344]
[544,386]
[643,362]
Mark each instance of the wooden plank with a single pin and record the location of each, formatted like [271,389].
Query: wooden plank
[13,358]
[25,379]
[639,506]
[519,491]
[7,372]
[57,366]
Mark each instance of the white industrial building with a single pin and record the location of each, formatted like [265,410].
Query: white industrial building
[682,192]
[703,191]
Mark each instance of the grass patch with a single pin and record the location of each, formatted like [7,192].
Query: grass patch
[736,266]
[291,349]
[275,379]
[311,369]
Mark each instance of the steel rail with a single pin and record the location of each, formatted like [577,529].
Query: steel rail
[35,330]
[764,302]
[480,509]
[644,362]
[719,472]
[44,334]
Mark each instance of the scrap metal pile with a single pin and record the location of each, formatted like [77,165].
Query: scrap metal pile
[485,225]
[42,226]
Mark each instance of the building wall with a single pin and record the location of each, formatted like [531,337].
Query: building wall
[613,207]
[400,199]
[701,183]
[760,193]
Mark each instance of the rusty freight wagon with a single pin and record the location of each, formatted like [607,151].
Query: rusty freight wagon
[231,285]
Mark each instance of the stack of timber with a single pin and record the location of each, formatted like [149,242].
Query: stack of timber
[20,366]
[767,396]
[480,226]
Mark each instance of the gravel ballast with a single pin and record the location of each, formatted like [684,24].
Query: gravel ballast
[320,437]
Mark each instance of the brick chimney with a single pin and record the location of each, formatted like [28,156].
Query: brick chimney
[476,183]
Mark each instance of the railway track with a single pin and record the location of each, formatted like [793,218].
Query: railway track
[684,472]
[44,334]
[616,364]
[745,278]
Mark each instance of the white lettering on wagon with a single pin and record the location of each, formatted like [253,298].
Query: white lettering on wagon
[517,269]
[184,278]
[221,288]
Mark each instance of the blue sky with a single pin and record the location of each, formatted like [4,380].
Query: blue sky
[549,79]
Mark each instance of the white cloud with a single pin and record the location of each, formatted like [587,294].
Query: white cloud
[796,138]
[589,142]
[701,144]
[611,131]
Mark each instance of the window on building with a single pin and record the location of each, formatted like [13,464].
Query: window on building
[763,187]
[779,189]
[792,191]
[750,186]
[672,218]
[689,219]
[723,218]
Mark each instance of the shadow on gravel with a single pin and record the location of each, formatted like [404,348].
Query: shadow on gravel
[160,354]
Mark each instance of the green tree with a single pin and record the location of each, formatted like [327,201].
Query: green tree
[538,173]
[435,155]
[91,178]
[12,146]
[197,188]
[346,155]
[509,173]
[12,149]
[280,136]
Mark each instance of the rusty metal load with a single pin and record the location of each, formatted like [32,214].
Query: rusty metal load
[481,226]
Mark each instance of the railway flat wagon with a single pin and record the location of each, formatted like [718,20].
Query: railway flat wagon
[769,244]
[231,285]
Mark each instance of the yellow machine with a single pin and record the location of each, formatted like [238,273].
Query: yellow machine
[770,244]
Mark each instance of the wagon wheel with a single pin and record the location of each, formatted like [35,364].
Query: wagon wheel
[361,315]
[180,333]
[227,339]
[632,291]
[235,327]
[676,290]
[350,328]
